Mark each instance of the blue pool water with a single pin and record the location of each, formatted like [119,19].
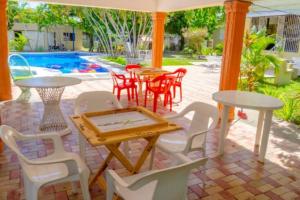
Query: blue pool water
[72,62]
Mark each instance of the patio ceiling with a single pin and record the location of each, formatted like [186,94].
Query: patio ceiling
[140,5]
[289,6]
[286,6]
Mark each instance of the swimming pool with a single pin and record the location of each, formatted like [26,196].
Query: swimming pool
[66,62]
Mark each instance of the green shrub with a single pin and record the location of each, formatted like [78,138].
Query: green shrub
[289,95]
[18,43]
[219,49]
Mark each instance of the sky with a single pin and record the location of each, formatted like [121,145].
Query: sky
[33,4]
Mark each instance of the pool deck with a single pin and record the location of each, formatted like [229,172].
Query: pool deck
[236,175]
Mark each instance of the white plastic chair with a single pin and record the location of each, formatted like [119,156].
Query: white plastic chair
[60,166]
[91,102]
[166,184]
[205,118]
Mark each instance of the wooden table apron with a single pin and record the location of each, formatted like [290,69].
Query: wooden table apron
[113,142]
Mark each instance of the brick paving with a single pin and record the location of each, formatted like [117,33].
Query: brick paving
[236,175]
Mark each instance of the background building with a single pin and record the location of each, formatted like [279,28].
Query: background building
[41,40]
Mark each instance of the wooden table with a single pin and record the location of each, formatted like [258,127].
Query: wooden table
[50,89]
[111,128]
[249,100]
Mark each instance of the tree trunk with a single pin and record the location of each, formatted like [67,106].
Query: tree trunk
[91,37]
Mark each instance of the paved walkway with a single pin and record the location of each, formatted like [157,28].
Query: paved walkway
[236,175]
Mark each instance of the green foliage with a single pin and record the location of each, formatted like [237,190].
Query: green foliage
[194,38]
[176,61]
[210,18]
[206,51]
[167,61]
[288,94]
[188,51]
[12,11]
[219,49]
[18,43]
[254,61]
[176,23]
[120,60]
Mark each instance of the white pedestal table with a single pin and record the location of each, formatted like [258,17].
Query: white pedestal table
[50,89]
[249,100]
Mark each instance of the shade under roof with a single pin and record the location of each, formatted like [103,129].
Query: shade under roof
[140,5]
[288,6]
[276,6]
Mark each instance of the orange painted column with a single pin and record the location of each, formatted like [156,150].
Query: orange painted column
[233,43]
[5,84]
[158,38]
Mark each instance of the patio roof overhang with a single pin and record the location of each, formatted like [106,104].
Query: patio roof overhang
[140,5]
[288,6]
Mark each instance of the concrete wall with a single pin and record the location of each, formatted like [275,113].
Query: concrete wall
[39,40]
[218,36]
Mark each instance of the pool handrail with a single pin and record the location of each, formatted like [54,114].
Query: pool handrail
[26,62]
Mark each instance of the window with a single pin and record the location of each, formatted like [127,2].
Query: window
[69,36]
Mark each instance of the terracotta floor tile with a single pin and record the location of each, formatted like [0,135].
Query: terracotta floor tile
[235,175]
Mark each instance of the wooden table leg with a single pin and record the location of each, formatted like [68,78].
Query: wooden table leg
[120,156]
[145,153]
[101,169]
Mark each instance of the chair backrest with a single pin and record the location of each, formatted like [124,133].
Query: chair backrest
[95,101]
[117,78]
[179,74]
[171,183]
[162,82]
[129,68]
[132,66]
[205,116]
[9,136]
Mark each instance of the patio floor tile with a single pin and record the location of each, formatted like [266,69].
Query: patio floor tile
[236,175]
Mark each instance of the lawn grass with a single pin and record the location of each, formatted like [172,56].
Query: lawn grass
[120,60]
[289,94]
[167,61]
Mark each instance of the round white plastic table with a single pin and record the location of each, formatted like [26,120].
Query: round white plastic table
[50,89]
[249,100]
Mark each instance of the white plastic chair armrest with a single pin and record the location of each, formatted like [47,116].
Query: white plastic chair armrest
[113,176]
[69,162]
[191,138]
[57,141]
[172,116]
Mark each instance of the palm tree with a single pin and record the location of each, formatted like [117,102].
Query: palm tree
[254,60]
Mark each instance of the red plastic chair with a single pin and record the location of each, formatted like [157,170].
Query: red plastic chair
[159,85]
[178,75]
[129,68]
[120,83]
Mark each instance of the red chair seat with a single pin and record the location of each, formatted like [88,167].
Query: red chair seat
[159,86]
[120,83]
